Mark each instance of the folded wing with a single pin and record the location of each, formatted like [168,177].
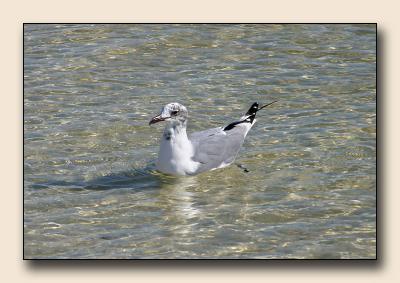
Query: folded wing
[218,147]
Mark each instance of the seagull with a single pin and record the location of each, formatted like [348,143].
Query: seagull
[184,155]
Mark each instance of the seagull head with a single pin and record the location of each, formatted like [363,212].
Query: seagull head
[172,112]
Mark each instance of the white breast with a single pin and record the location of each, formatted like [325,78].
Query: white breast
[176,151]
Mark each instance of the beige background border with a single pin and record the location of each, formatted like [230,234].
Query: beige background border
[13,14]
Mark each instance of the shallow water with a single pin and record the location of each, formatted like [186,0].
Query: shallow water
[90,189]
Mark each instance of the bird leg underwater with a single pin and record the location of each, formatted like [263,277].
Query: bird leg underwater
[241,166]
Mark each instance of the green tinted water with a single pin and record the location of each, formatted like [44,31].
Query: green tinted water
[90,189]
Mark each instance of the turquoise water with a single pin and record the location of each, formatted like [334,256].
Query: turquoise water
[90,188]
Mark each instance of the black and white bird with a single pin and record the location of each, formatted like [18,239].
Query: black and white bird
[183,154]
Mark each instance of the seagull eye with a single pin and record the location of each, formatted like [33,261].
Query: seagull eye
[174,113]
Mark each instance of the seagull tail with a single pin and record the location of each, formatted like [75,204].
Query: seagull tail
[249,117]
[255,108]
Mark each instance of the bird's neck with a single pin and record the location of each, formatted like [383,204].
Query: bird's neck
[175,132]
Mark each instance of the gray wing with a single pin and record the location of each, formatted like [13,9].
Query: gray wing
[215,147]
[198,136]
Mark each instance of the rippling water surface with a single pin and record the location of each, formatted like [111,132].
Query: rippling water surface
[90,189]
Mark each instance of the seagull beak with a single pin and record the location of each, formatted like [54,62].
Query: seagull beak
[156,119]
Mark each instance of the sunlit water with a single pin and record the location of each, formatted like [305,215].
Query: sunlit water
[90,188]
